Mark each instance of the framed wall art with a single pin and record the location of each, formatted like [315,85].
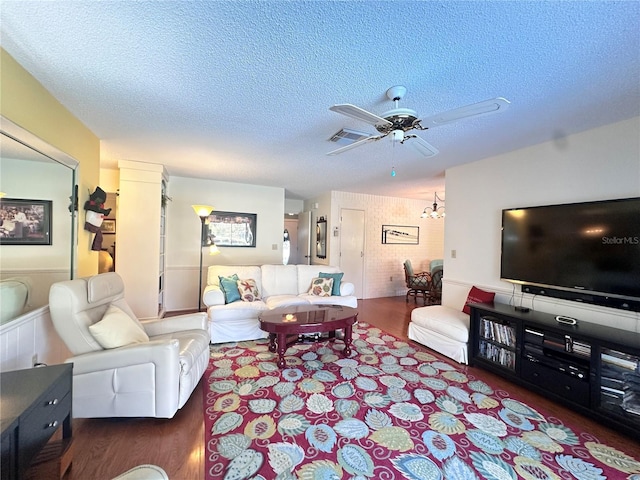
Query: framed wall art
[230,229]
[400,234]
[108,225]
[321,238]
[25,222]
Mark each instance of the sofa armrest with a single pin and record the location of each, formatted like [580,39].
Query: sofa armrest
[212,295]
[179,323]
[346,289]
[163,353]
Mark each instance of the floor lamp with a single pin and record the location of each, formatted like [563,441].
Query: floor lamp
[203,211]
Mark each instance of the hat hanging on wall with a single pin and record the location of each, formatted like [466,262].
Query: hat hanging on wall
[94,215]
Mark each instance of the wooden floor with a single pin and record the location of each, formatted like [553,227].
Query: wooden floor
[104,448]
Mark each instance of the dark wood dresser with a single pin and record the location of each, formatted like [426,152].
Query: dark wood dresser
[34,404]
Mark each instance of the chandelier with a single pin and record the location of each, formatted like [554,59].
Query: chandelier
[434,211]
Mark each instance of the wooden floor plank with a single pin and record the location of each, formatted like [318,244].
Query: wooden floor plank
[104,448]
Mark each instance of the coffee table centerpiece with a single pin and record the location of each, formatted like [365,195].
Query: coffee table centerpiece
[305,319]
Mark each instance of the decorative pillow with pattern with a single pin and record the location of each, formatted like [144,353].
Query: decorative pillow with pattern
[321,287]
[229,286]
[248,290]
[337,278]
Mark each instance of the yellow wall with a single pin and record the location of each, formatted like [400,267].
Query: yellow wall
[24,101]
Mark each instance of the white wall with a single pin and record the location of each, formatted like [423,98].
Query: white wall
[183,237]
[599,164]
[293,206]
[31,337]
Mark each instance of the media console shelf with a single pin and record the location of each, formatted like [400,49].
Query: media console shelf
[592,368]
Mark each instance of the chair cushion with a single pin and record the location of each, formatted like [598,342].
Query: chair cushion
[117,329]
[433,264]
[447,321]
[192,344]
[248,290]
[279,280]
[236,310]
[337,278]
[214,272]
[408,267]
[106,286]
[477,295]
[229,286]
[344,300]
[277,301]
[321,287]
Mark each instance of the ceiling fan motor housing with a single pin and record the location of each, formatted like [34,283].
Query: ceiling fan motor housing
[400,118]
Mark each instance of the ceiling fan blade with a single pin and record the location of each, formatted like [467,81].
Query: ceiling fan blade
[355,144]
[422,146]
[359,114]
[488,107]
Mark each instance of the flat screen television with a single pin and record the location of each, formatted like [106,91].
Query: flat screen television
[588,252]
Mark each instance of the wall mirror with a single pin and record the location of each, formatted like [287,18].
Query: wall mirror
[321,238]
[31,169]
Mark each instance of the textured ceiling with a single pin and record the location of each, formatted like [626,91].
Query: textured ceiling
[240,91]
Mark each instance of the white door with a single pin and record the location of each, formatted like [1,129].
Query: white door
[352,248]
[304,238]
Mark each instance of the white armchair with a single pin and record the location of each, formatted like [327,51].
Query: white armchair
[153,378]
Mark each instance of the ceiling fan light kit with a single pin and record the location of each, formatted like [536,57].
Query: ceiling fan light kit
[399,121]
[398,135]
[434,211]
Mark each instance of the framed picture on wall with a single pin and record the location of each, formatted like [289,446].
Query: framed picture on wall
[230,229]
[400,234]
[25,222]
[108,225]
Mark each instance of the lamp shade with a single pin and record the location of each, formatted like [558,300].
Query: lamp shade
[213,249]
[202,210]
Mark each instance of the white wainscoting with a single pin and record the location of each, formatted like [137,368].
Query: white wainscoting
[454,294]
[29,335]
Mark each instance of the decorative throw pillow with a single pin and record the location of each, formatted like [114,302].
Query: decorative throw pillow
[337,278]
[248,290]
[117,329]
[477,295]
[229,286]
[321,287]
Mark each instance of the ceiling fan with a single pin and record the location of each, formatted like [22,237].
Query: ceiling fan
[398,121]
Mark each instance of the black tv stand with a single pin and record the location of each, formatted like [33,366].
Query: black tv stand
[592,368]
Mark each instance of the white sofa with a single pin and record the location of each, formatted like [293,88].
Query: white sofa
[443,329]
[278,286]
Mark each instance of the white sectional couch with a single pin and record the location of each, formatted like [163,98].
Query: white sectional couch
[278,286]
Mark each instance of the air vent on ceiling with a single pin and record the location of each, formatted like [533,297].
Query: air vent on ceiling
[346,136]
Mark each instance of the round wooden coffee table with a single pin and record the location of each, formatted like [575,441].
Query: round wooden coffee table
[305,319]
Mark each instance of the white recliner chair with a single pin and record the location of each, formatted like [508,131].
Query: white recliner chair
[151,378]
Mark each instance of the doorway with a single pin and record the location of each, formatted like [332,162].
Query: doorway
[291,226]
[352,248]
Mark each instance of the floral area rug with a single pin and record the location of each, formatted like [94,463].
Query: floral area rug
[390,411]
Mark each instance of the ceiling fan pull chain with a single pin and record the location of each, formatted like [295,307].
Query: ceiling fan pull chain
[393,157]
